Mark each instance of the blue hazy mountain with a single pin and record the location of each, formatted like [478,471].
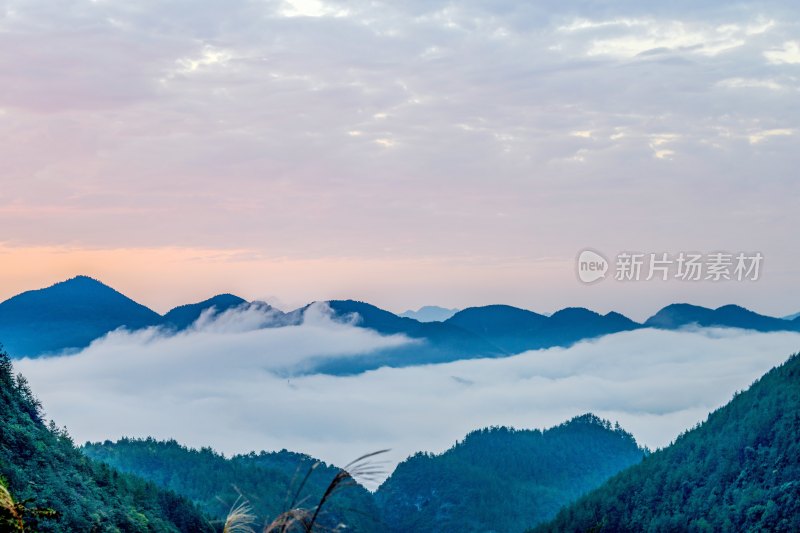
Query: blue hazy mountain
[437,342]
[504,480]
[430,313]
[184,316]
[516,330]
[792,317]
[732,316]
[737,471]
[69,314]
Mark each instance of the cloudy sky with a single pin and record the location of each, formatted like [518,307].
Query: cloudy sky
[405,153]
[223,384]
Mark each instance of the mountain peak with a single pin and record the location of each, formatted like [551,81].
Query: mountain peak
[733,316]
[82,278]
[574,313]
[735,309]
[677,315]
[79,282]
[68,314]
[430,313]
[183,316]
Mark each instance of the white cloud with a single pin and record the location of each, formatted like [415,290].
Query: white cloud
[789,53]
[749,83]
[763,135]
[209,56]
[658,144]
[311,8]
[632,37]
[386,143]
[216,386]
[585,24]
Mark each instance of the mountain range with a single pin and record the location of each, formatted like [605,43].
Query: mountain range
[496,479]
[430,313]
[737,471]
[69,315]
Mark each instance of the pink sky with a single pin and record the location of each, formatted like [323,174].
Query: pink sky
[425,154]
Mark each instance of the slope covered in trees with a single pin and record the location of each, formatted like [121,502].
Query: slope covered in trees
[502,479]
[268,481]
[738,471]
[40,465]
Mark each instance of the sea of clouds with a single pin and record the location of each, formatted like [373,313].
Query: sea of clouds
[227,383]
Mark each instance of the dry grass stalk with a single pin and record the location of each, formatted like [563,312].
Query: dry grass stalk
[240,518]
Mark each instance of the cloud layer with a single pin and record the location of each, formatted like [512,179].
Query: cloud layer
[220,385]
[415,134]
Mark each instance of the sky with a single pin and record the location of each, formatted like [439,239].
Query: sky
[655,383]
[404,153]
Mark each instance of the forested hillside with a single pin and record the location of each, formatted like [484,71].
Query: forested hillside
[268,481]
[41,466]
[738,471]
[504,480]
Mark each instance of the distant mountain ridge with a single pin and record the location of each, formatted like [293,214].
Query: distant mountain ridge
[429,313]
[515,330]
[71,314]
[183,316]
[679,315]
[441,341]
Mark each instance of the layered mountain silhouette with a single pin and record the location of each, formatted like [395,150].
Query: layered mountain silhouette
[69,315]
[679,315]
[437,342]
[515,330]
[184,316]
[738,471]
[430,313]
[496,479]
